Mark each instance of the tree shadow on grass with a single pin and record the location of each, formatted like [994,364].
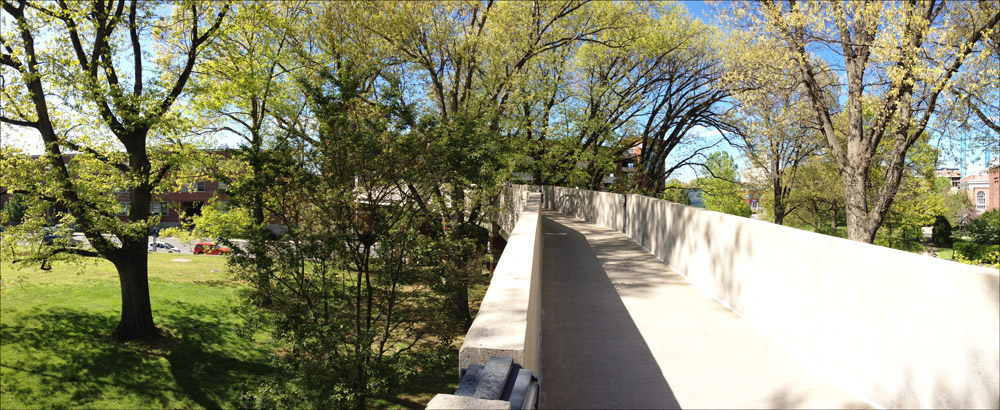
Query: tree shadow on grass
[63,358]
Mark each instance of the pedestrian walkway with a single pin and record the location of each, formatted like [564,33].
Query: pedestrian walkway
[620,329]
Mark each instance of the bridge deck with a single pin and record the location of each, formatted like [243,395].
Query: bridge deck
[620,329]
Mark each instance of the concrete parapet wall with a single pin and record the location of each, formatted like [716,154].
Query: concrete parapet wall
[898,329]
[450,401]
[602,208]
[508,319]
[511,202]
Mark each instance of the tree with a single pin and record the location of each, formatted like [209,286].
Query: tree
[971,118]
[941,236]
[69,63]
[472,57]
[898,58]
[958,207]
[721,186]
[13,211]
[247,80]
[985,229]
[772,125]
[818,195]
[686,99]
[917,202]
[676,192]
[352,280]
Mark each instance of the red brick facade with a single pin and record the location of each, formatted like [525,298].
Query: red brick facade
[993,202]
[188,200]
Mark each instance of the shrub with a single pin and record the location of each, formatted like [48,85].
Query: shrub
[985,230]
[977,252]
[941,237]
[13,211]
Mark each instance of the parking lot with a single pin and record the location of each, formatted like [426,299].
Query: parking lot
[184,247]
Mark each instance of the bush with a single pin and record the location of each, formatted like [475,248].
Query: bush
[977,252]
[13,211]
[985,230]
[941,237]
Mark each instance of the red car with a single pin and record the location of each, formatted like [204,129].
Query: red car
[209,248]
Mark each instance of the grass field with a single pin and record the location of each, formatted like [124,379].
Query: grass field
[55,353]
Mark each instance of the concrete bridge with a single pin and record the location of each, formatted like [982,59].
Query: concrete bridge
[623,301]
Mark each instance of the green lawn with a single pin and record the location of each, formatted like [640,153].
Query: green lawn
[946,253]
[56,353]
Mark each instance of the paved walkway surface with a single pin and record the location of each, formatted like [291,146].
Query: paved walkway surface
[620,329]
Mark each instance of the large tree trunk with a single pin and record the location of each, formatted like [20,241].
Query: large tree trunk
[779,202]
[137,314]
[132,260]
[861,224]
[460,305]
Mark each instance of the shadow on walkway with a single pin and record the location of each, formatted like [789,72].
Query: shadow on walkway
[589,334]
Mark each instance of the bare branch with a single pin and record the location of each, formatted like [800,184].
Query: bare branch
[20,123]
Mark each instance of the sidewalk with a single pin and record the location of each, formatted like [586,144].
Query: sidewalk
[620,329]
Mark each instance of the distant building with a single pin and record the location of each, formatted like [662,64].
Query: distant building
[187,200]
[993,200]
[752,198]
[978,189]
[951,173]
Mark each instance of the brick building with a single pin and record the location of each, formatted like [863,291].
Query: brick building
[953,174]
[978,189]
[188,200]
[993,193]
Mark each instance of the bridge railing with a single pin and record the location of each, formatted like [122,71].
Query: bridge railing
[507,324]
[898,329]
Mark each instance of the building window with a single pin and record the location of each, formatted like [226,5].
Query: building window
[123,208]
[158,208]
[981,200]
[201,186]
[223,185]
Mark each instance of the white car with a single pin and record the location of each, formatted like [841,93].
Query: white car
[156,247]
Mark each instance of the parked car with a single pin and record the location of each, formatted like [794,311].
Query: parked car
[209,248]
[158,246]
[57,239]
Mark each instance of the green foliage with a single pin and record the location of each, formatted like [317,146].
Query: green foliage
[817,196]
[941,237]
[55,354]
[722,189]
[13,210]
[897,81]
[957,205]
[106,88]
[917,202]
[977,253]
[985,230]
[676,192]
[355,320]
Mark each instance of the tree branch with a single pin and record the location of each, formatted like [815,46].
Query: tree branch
[133,31]
[20,123]
[192,53]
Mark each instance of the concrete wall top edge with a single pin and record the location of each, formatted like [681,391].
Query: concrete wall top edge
[836,242]
[501,328]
